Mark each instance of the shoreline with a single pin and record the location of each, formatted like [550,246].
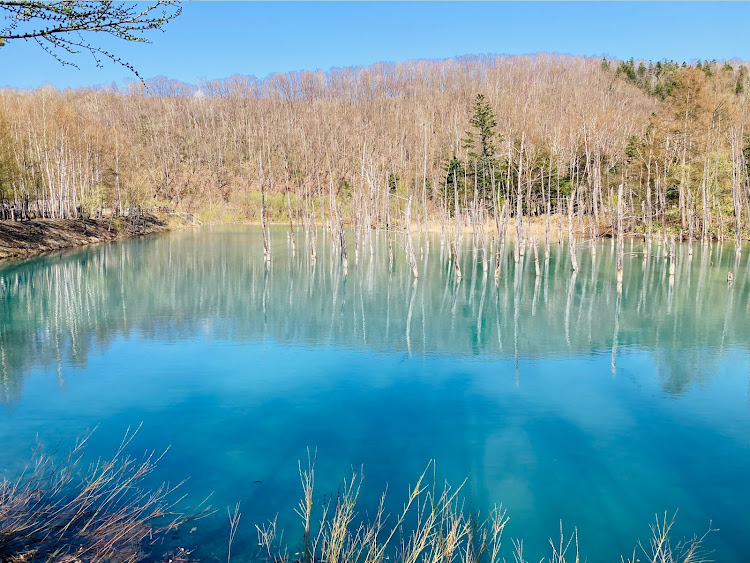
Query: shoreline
[20,240]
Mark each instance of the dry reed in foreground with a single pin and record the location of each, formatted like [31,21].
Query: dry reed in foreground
[60,510]
[434,526]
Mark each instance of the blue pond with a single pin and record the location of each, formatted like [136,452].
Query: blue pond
[555,396]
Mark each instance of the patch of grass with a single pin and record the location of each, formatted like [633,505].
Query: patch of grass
[220,213]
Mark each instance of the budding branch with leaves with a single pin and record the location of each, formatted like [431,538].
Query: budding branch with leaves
[63,29]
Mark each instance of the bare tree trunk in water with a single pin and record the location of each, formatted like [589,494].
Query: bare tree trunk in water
[289,210]
[500,239]
[671,259]
[456,265]
[571,238]
[424,188]
[342,241]
[737,162]
[389,232]
[546,230]
[519,203]
[266,245]
[409,245]
[620,242]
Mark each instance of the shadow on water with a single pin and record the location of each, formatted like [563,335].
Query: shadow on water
[560,396]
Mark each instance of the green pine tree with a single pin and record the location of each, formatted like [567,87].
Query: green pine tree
[480,144]
[479,140]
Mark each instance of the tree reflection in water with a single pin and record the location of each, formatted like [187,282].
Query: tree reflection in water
[54,310]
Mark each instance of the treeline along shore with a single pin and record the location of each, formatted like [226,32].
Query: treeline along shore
[465,141]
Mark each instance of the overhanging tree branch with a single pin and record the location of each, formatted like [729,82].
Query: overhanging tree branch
[63,29]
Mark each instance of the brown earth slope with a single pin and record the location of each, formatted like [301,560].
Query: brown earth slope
[21,239]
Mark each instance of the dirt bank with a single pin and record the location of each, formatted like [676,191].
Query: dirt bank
[22,239]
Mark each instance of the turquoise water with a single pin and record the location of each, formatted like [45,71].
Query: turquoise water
[557,397]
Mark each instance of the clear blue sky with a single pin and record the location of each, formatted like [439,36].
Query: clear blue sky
[217,39]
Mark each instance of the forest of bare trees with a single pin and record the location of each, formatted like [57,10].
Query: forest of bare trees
[489,137]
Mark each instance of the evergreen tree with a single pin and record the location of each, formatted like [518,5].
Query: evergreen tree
[479,142]
[739,87]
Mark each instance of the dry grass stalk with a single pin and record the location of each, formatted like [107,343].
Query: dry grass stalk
[435,527]
[59,510]
[234,522]
[440,532]
[660,549]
